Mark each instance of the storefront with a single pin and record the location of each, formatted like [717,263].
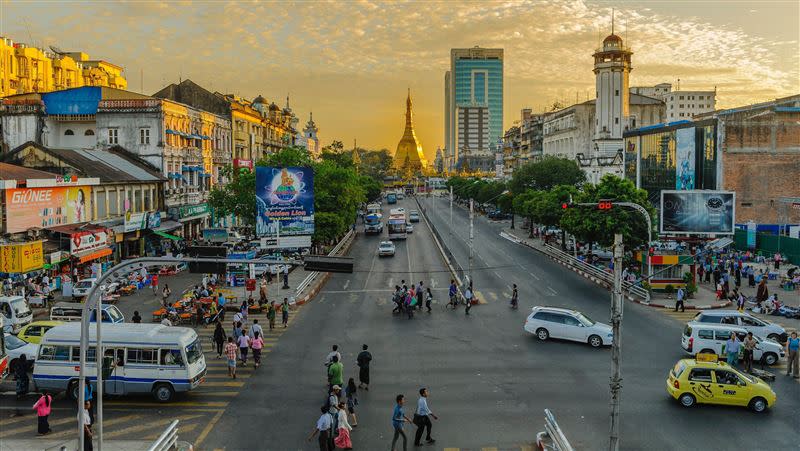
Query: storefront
[20,260]
[194,219]
[88,247]
[161,238]
[668,269]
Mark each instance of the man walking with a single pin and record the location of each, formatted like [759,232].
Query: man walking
[399,419]
[285,276]
[335,373]
[420,295]
[468,298]
[749,345]
[732,349]
[255,328]
[679,300]
[230,353]
[323,428]
[793,351]
[452,292]
[363,360]
[422,418]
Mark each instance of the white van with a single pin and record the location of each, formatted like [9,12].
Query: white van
[757,326]
[82,288]
[16,312]
[138,358]
[710,339]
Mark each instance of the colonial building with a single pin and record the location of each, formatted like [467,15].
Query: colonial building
[310,138]
[523,143]
[409,156]
[25,68]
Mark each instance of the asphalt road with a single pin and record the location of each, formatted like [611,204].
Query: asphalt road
[489,381]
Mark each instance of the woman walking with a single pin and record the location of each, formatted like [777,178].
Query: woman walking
[343,439]
[42,408]
[219,338]
[351,396]
[244,345]
[165,295]
[271,315]
[285,313]
[257,343]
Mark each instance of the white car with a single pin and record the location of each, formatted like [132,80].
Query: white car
[386,248]
[16,347]
[409,228]
[82,288]
[759,327]
[554,322]
[710,339]
[413,216]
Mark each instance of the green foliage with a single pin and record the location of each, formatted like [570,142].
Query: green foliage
[328,227]
[237,197]
[590,224]
[375,163]
[289,156]
[669,289]
[545,174]
[372,187]
[546,207]
[343,159]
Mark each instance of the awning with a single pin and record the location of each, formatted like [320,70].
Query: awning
[171,132]
[174,175]
[168,236]
[166,226]
[194,136]
[88,256]
[205,137]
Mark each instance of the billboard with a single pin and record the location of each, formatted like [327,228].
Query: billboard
[698,212]
[21,258]
[47,207]
[87,241]
[684,159]
[284,201]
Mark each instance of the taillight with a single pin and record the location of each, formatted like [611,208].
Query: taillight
[676,384]
[691,342]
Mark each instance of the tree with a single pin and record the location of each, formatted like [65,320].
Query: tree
[343,159]
[593,225]
[334,146]
[372,188]
[375,163]
[524,206]
[545,174]
[327,227]
[237,197]
[288,156]
[547,207]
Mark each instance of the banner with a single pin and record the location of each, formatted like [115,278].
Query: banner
[684,159]
[698,212]
[154,220]
[87,241]
[47,207]
[284,201]
[135,221]
[21,258]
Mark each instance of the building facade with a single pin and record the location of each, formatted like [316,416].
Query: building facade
[475,80]
[310,138]
[680,105]
[25,69]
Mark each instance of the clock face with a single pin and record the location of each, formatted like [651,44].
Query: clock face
[715,203]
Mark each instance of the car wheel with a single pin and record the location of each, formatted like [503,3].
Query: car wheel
[758,404]
[542,334]
[163,392]
[774,337]
[595,341]
[769,359]
[687,400]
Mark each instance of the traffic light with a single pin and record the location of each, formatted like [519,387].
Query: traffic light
[564,206]
[605,204]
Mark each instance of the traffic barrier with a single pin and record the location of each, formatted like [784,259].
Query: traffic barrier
[167,440]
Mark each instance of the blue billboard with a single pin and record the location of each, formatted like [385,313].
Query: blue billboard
[685,159]
[284,201]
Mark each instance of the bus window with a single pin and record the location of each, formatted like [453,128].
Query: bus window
[76,354]
[61,353]
[171,357]
[194,352]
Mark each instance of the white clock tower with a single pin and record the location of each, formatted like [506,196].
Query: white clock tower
[612,68]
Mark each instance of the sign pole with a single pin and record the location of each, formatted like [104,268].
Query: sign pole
[616,355]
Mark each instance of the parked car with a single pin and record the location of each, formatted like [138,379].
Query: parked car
[82,288]
[15,347]
[759,327]
[554,322]
[707,338]
[498,215]
[33,332]
[386,248]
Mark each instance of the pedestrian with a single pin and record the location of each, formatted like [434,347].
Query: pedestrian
[452,291]
[244,345]
[257,343]
[700,271]
[514,297]
[219,338]
[335,372]
[87,428]
[42,408]
[351,395]
[749,344]
[343,427]
[237,317]
[154,284]
[679,300]
[285,276]
[422,418]
[136,318]
[428,299]
[793,351]
[737,276]
[256,328]
[329,357]
[399,419]
[363,360]
[732,347]
[271,315]
[200,315]
[739,300]
[237,330]
[21,374]
[243,309]
[410,299]
[468,299]
[88,396]
[230,353]
[323,429]
[285,313]
[420,295]
[762,292]
[165,292]
[777,260]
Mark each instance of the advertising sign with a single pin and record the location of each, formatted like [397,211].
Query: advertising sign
[154,220]
[240,163]
[286,242]
[698,212]
[21,258]
[187,211]
[684,159]
[87,241]
[284,201]
[47,207]
[135,221]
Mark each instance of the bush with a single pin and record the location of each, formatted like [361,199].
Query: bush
[669,289]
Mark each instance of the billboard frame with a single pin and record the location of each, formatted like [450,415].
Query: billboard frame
[661,230]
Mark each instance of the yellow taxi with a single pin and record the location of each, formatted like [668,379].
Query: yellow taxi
[705,380]
[33,332]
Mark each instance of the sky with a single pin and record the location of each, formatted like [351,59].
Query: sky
[350,62]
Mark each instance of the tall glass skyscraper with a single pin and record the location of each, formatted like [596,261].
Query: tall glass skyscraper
[475,80]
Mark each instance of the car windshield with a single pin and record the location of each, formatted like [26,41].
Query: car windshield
[194,351]
[114,314]
[585,320]
[13,342]
[20,307]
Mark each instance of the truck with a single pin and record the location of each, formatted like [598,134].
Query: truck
[373,224]
[397,224]
[391,198]
[221,235]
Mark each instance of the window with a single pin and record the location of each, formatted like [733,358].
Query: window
[722,334]
[144,136]
[76,354]
[171,357]
[728,320]
[681,115]
[616,120]
[710,319]
[59,353]
[747,321]
[705,334]
[570,321]
[727,377]
[680,98]
[34,331]
[700,375]
[148,356]
[113,136]
[88,132]
[68,132]
[616,92]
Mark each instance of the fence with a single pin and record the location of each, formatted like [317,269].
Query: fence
[167,440]
[768,244]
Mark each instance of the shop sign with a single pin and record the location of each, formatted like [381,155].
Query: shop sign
[154,220]
[87,241]
[240,163]
[47,207]
[57,257]
[67,180]
[135,221]
[188,211]
[21,258]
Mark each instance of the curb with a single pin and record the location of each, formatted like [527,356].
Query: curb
[608,287]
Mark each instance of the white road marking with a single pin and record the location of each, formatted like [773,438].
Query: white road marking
[552,290]
[534,276]
[497,274]
[346,283]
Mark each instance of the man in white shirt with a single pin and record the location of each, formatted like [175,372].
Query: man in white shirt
[334,352]
[422,418]
[468,299]
[87,427]
[255,328]
[323,428]
[285,276]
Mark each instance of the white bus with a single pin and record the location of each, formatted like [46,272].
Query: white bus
[138,358]
[397,224]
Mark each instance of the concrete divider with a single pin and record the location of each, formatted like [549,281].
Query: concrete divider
[312,284]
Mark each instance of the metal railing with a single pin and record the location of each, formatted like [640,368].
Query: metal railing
[633,289]
[167,440]
[311,277]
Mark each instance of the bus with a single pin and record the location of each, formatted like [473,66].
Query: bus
[137,358]
[397,224]
[3,353]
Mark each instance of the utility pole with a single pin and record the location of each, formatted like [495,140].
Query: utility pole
[471,238]
[451,219]
[616,326]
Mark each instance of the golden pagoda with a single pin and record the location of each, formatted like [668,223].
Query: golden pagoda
[409,154]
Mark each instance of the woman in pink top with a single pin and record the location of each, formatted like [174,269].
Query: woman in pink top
[257,343]
[42,408]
